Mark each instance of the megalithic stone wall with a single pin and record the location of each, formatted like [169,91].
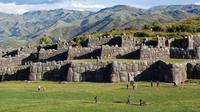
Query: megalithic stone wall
[14,72]
[53,71]
[92,72]
[123,72]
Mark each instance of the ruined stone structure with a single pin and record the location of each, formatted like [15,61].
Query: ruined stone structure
[55,63]
[108,52]
[154,53]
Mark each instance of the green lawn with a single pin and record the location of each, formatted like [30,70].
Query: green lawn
[167,60]
[79,97]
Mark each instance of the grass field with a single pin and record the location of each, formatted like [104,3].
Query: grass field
[167,60]
[79,97]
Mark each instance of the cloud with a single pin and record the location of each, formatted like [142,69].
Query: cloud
[197,3]
[13,8]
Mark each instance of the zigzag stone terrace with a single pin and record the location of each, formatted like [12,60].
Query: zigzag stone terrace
[107,59]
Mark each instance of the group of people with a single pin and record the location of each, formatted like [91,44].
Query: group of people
[141,102]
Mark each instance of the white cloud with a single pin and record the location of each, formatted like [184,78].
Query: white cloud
[13,8]
[197,3]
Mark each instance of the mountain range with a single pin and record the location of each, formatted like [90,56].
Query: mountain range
[61,23]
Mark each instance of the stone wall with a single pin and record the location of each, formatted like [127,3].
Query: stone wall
[92,72]
[52,55]
[130,41]
[193,71]
[180,43]
[119,52]
[154,53]
[122,72]
[196,40]
[146,70]
[125,72]
[53,71]
[179,73]
[106,40]
[11,61]
[84,53]
[14,72]
[183,53]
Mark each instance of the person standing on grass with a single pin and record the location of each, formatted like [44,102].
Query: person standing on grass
[140,102]
[96,99]
[129,100]
[39,88]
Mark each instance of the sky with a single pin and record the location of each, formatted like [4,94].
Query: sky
[22,6]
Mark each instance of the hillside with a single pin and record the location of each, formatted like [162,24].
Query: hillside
[37,23]
[122,16]
[61,23]
[31,23]
[194,21]
[191,26]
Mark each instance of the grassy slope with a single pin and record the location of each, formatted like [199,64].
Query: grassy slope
[193,21]
[78,97]
[12,43]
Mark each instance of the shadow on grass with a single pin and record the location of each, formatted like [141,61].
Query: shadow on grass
[88,102]
[135,104]
[119,102]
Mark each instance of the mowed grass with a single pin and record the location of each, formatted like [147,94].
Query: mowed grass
[79,97]
[167,60]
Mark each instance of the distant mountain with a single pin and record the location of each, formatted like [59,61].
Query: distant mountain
[67,23]
[122,16]
[31,23]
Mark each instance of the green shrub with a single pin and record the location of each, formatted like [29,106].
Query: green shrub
[141,34]
[46,40]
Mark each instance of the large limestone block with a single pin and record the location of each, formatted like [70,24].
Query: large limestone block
[179,73]
[123,76]
[135,67]
[38,76]
[70,75]
[115,78]
[76,77]
[32,77]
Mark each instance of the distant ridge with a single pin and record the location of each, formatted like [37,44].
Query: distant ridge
[68,23]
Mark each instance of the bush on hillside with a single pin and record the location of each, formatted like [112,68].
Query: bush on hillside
[141,34]
[46,40]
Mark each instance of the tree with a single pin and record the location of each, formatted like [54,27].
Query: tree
[46,40]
